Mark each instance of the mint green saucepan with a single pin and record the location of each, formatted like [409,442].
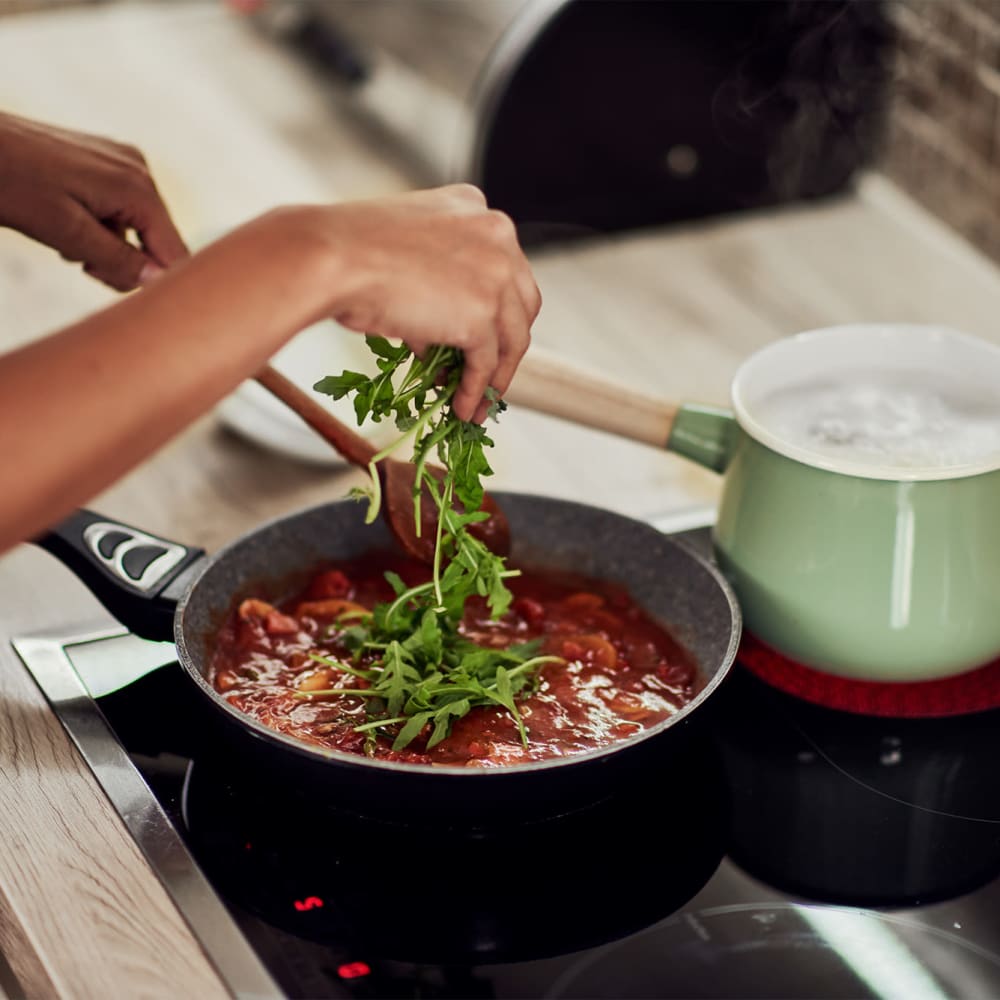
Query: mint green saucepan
[860,513]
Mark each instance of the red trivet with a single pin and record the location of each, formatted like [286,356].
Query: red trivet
[973,691]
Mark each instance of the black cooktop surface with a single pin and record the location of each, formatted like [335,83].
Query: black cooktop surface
[774,849]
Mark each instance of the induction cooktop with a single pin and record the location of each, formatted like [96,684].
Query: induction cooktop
[780,849]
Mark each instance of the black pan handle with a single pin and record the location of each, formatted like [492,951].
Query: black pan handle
[138,577]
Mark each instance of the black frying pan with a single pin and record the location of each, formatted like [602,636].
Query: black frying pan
[159,589]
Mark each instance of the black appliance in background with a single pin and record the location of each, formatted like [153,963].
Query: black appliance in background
[602,115]
[626,113]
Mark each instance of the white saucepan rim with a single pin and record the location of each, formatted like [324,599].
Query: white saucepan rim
[863,470]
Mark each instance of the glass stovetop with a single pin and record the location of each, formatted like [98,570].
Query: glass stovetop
[774,849]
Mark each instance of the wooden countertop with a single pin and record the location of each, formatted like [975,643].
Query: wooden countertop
[232,126]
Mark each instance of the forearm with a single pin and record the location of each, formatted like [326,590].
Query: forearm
[88,403]
[83,406]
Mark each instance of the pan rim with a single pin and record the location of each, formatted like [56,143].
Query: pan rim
[442,771]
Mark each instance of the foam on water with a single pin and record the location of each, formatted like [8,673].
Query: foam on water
[892,420]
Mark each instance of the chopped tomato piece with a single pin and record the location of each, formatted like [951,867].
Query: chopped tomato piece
[583,601]
[298,660]
[329,583]
[571,650]
[315,680]
[591,648]
[226,680]
[332,608]
[532,611]
[254,608]
[629,706]
[275,623]
[674,673]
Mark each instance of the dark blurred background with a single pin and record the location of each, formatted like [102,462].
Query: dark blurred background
[604,115]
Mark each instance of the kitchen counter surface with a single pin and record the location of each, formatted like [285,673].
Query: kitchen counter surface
[231,126]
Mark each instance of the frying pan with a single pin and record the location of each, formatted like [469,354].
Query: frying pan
[160,589]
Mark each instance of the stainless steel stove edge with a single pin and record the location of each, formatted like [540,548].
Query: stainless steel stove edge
[44,656]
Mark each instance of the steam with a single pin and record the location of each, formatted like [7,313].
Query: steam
[815,77]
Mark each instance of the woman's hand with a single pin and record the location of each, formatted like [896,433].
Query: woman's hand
[434,267]
[437,267]
[85,196]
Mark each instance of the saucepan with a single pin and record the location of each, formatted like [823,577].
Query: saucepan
[858,519]
[162,589]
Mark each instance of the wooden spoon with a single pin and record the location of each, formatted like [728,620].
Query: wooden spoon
[397,477]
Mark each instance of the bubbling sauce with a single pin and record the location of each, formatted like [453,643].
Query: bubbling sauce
[890,420]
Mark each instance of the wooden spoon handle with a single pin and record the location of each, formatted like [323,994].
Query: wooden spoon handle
[348,442]
[547,383]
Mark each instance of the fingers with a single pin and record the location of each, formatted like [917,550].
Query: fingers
[492,359]
[104,253]
[513,300]
[530,294]
[520,302]
[440,267]
[467,196]
[81,195]
[156,229]
[514,340]
[134,202]
[524,305]
[480,366]
[102,245]
[123,196]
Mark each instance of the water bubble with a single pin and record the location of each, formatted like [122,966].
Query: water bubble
[896,420]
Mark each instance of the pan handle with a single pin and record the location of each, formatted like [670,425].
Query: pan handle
[549,383]
[138,577]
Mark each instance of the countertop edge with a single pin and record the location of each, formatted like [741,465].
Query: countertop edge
[77,895]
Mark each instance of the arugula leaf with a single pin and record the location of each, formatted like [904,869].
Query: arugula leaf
[397,672]
[340,385]
[411,730]
[427,674]
[381,348]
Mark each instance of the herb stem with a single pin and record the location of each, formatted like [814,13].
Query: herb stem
[407,595]
[423,671]
[365,675]
[326,692]
[378,723]
[443,504]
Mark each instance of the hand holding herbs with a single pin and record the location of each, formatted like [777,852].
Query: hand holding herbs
[426,674]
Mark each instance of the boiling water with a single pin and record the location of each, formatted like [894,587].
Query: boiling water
[888,420]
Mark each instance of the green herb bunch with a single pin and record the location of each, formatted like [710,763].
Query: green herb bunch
[425,672]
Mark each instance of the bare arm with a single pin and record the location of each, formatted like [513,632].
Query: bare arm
[86,404]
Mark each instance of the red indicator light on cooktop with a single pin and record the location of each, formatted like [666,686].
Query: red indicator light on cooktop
[309,903]
[353,970]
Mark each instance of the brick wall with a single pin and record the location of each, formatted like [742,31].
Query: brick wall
[943,139]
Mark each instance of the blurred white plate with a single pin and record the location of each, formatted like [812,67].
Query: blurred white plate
[324,349]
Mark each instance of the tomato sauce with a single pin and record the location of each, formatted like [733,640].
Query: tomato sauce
[620,673]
